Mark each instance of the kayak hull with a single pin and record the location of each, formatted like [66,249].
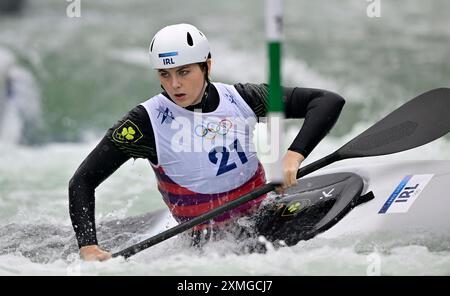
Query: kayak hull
[429,211]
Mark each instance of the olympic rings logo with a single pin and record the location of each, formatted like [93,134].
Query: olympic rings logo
[212,129]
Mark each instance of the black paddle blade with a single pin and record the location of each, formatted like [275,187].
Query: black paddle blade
[418,122]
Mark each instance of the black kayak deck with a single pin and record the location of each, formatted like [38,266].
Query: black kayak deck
[312,206]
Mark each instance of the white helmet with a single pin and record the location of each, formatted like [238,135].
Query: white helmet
[178,45]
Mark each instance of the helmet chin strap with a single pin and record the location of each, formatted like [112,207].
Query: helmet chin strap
[203,93]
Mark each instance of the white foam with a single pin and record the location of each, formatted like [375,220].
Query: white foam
[22,105]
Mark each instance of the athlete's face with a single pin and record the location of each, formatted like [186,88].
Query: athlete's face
[185,84]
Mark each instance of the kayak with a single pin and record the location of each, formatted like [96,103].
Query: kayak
[392,197]
[408,196]
[358,198]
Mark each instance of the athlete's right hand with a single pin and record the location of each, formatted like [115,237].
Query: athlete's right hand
[94,253]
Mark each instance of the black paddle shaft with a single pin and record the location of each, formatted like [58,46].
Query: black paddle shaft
[417,122]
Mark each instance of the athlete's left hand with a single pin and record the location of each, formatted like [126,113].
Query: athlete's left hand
[291,163]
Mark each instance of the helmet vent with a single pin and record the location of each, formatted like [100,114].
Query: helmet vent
[189,39]
[151,46]
[200,33]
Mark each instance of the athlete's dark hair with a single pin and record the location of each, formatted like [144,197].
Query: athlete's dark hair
[204,68]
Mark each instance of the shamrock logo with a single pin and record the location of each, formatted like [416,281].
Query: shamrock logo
[128,132]
[294,207]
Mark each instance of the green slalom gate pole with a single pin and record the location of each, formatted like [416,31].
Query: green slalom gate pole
[274,28]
